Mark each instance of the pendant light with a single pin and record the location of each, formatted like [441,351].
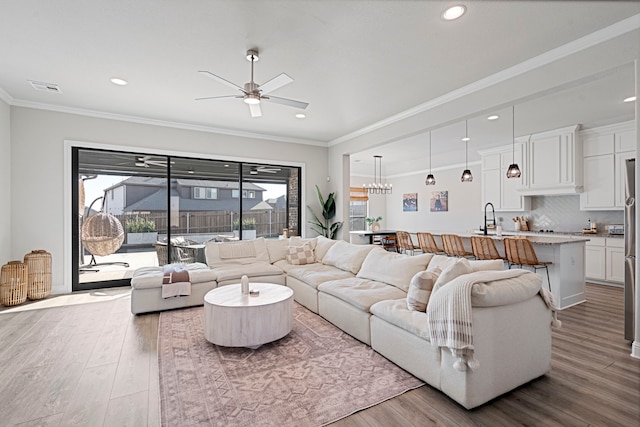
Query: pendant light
[377,187]
[514,170]
[430,179]
[466,174]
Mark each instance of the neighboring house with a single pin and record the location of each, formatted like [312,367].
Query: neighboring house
[147,195]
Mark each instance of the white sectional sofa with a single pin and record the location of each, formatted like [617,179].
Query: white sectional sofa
[363,289]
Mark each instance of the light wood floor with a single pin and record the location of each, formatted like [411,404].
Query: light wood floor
[92,363]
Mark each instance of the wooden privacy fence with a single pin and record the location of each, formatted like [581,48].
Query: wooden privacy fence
[268,222]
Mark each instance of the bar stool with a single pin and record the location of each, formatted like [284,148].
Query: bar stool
[405,244]
[453,246]
[428,244]
[519,251]
[484,248]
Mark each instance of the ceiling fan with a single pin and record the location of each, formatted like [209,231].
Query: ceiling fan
[253,93]
[263,169]
[146,161]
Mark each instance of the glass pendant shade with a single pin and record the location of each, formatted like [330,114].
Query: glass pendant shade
[514,170]
[466,176]
[430,180]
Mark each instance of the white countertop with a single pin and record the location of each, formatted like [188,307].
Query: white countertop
[535,238]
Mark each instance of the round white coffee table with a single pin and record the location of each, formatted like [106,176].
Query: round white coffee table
[232,319]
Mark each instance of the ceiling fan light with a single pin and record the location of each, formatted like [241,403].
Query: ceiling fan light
[430,180]
[466,176]
[513,171]
[252,99]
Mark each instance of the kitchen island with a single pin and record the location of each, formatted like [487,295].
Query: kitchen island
[567,255]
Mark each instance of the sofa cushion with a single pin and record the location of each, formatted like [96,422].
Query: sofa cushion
[242,252]
[396,312]
[315,274]
[346,256]
[392,268]
[151,277]
[300,255]
[505,292]
[277,249]
[486,265]
[420,289]
[230,270]
[361,293]
[457,268]
[322,246]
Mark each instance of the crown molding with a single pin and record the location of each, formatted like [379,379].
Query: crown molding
[164,123]
[6,97]
[615,30]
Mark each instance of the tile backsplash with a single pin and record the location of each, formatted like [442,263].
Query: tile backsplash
[561,213]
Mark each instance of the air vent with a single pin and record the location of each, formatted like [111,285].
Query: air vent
[47,87]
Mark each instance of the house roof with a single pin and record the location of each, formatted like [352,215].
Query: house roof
[158,202]
[161,182]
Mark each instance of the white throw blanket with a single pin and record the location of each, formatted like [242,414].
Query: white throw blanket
[449,314]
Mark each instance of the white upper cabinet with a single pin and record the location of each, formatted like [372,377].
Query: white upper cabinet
[605,149]
[501,191]
[555,163]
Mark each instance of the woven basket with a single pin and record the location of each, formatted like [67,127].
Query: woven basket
[39,274]
[13,283]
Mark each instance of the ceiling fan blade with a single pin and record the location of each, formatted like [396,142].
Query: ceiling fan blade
[275,83]
[219,97]
[285,101]
[255,110]
[221,80]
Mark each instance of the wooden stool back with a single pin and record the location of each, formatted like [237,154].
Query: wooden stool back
[453,246]
[427,243]
[484,248]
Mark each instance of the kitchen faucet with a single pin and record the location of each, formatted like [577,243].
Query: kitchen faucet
[485,217]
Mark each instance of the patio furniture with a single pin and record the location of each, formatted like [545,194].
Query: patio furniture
[182,251]
[102,234]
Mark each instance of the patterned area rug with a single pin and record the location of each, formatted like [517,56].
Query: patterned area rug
[315,375]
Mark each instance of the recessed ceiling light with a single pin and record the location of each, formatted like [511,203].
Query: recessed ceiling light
[466,138]
[301,115]
[454,12]
[630,99]
[118,81]
[494,117]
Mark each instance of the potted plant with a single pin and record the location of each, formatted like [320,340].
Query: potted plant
[141,231]
[323,226]
[248,228]
[373,222]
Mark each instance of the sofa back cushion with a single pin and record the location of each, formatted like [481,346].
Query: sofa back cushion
[420,289]
[346,256]
[486,265]
[242,252]
[392,268]
[322,246]
[458,267]
[278,248]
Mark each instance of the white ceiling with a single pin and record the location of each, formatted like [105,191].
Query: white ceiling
[356,62]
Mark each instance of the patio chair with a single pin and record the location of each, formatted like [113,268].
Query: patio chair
[101,235]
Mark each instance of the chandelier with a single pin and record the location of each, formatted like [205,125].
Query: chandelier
[377,187]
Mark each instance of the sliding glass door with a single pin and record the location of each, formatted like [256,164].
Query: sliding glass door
[136,209]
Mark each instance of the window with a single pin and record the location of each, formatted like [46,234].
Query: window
[246,194]
[235,194]
[205,193]
[358,203]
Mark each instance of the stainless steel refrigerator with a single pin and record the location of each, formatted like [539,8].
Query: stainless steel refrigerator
[630,289]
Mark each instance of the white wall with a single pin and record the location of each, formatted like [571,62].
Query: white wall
[38,182]
[464,202]
[5,179]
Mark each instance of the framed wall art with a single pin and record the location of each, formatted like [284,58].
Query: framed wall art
[439,201]
[410,202]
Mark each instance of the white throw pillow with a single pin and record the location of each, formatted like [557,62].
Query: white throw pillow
[392,268]
[458,268]
[420,289]
[300,255]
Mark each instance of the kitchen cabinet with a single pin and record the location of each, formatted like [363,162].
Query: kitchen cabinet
[604,259]
[614,260]
[604,151]
[554,163]
[496,187]
[595,258]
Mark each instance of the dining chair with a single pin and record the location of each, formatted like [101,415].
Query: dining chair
[405,243]
[389,243]
[452,244]
[484,247]
[519,251]
[427,243]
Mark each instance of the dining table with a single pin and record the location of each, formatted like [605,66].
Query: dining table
[369,236]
